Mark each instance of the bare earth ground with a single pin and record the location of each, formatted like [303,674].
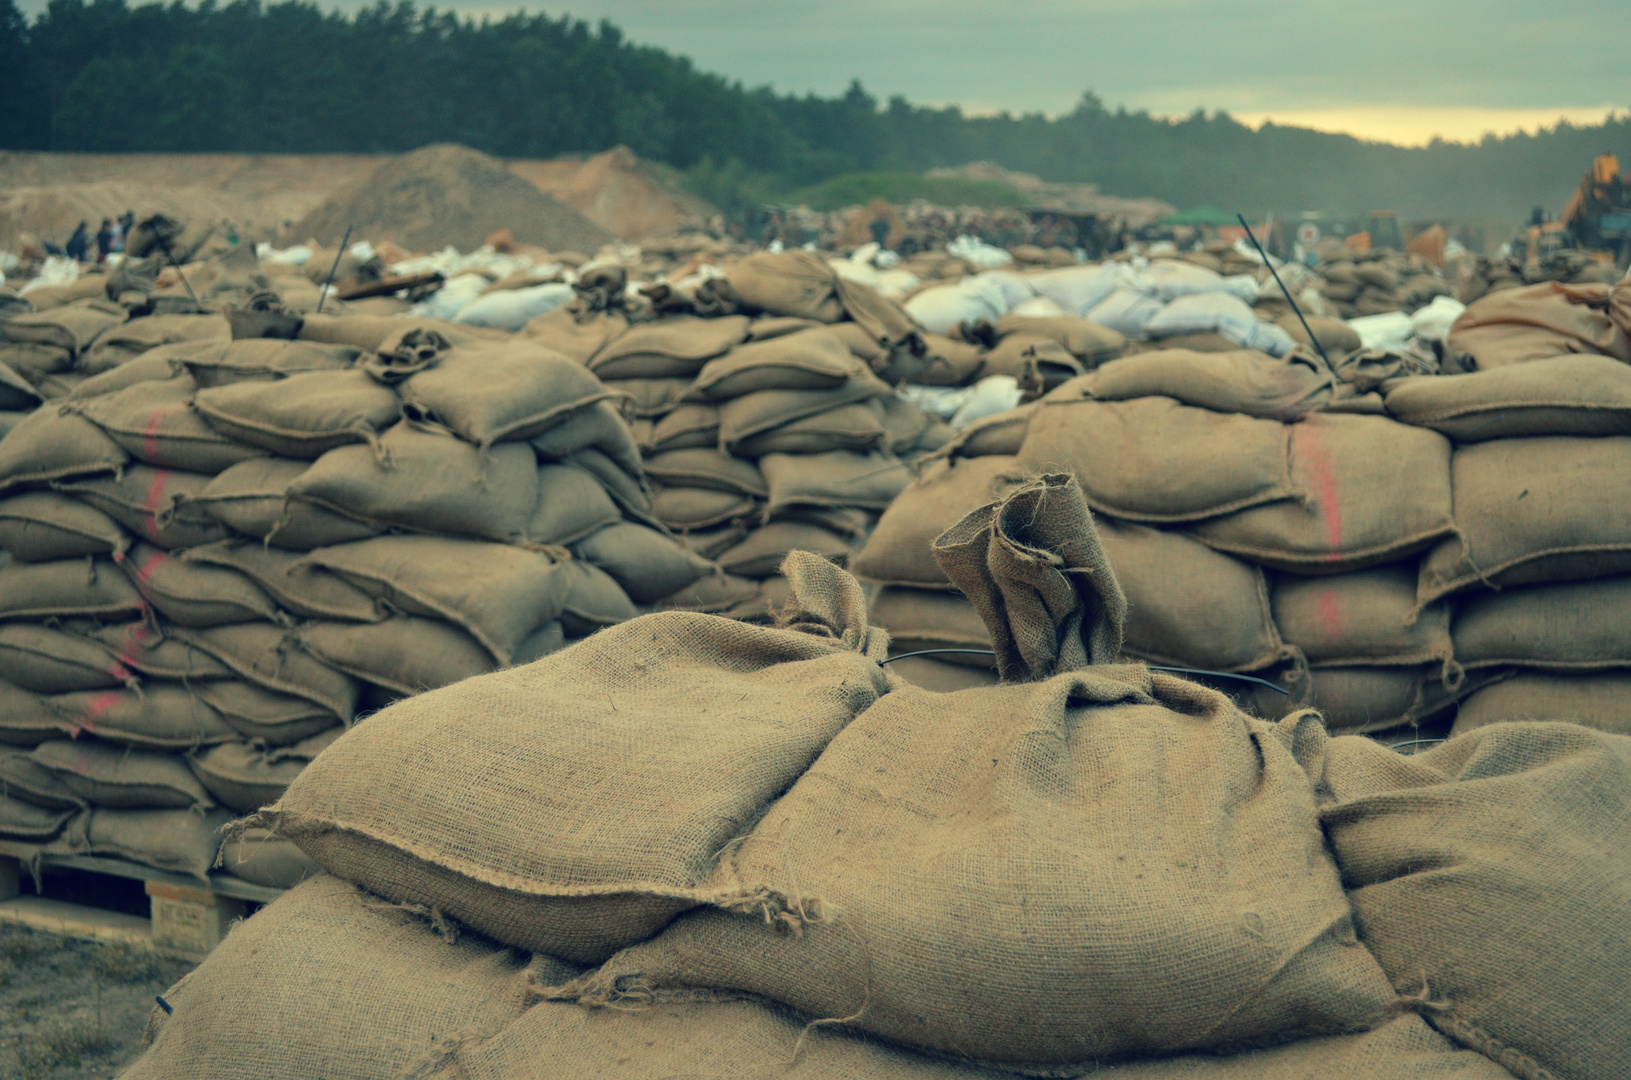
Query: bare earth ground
[74,1010]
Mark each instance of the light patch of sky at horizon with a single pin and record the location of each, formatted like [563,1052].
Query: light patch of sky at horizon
[1398,70]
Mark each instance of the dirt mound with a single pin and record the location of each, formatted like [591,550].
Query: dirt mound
[450,195]
[617,190]
[1067,198]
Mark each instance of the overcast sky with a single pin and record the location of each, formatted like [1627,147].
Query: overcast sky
[1399,69]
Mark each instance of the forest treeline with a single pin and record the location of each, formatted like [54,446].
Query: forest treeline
[101,75]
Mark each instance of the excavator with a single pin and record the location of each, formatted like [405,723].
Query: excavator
[1597,219]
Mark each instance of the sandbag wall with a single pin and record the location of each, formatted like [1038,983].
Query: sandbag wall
[222,551]
[1380,567]
[766,425]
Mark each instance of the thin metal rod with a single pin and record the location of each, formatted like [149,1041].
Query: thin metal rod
[1152,667]
[164,246]
[338,255]
[1306,328]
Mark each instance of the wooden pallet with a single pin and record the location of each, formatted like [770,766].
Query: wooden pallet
[188,916]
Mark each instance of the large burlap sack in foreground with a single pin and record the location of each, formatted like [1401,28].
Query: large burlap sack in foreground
[1491,877]
[590,805]
[1100,863]
[328,978]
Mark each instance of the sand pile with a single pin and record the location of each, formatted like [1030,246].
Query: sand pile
[617,190]
[450,195]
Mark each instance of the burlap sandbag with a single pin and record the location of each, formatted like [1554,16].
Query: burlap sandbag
[594,600]
[706,468]
[496,391]
[302,416]
[146,648]
[53,444]
[1190,606]
[1563,395]
[155,365]
[762,551]
[260,858]
[379,333]
[32,824]
[1036,362]
[753,414]
[296,585]
[648,564]
[41,526]
[1153,459]
[687,508]
[933,619]
[425,478]
[263,715]
[692,424]
[668,347]
[1600,700]
[121,343]
[193,593]
[835,478]
[929,813]
[747,1038]
[1514,326]
[1084,339]
[155,422]
[86,587]
[71,327]
[1354,698]
[270,657]
[898,551]
[1574,626]
[23,777]
[1240,381]
[263,358]
[159,505]
[121,778]
[1534,510]
[17,394]
[1366,617]
[651,397]
[710,718]
[627,488]
[180,841]
[853,428]
[802,284]
[252,498]
[243,777]
[153,716]
[497,593]
[572,504]
[327,973]
[50,661]
[575,332]
[1372,491]
[808,360]
[25,719]
[405,654]
[1468,864]
[1000,433]
[600,426]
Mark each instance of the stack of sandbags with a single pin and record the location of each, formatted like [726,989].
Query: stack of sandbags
[812,865]
[761,434]
[1377,282]
[1253,529]
[1515,326]
[1538,572]
[221,551]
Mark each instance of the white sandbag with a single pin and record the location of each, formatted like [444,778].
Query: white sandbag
[511,309]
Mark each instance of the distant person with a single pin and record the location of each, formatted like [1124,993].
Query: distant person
[104,240]
[879,227]
[78,243]
[127,221]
